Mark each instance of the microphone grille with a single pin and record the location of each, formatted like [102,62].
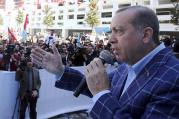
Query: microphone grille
[106,56]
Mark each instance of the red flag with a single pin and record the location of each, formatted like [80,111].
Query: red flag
[26,21]
[11,35]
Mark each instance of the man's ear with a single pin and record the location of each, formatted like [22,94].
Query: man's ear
[147,34]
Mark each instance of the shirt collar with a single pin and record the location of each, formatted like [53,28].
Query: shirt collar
[137,67]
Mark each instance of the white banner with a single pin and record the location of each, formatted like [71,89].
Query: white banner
[52,101]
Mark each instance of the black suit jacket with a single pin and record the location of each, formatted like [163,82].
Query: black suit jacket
[21,76]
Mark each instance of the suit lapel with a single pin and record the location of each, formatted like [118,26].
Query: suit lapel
[145,76]
[119,82]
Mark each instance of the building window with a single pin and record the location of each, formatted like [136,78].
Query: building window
[106,14]
[123,5]
[81,9]
[80,23]
[164,11]
[147,2]
[37,24]
[61,3]
[71,2]
[164,21]
[80,16]
[108,7]
[60,17]
[105,22]
[61,11]
[38,18]
[54,18]
[164,2]
[60,23]
[70,16]
[71,10]
[53,12]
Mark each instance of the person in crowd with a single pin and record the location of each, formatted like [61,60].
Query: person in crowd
[49,40]
[176,48]
[29,80]
[99,46]
[15,59]
[79,57]
[7,57]
[1,57]
[167,42]
[144,86]
[90,52]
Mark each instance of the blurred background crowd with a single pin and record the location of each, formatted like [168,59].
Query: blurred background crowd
[14,54]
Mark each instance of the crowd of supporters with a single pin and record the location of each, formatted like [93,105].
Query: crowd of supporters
[172,43]
[14,55]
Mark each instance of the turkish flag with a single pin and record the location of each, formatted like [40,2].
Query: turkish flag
[26,21]
[11,35]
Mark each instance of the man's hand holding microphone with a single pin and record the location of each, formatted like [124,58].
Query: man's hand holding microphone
[96,77]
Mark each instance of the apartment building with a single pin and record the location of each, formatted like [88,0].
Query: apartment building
[69,15]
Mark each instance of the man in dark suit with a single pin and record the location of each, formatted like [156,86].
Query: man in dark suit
[145,86]
[28,94]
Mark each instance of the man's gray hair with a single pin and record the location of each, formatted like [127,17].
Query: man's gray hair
[144,17]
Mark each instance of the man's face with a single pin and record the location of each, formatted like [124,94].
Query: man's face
[126,41]
[51,33]
[17,47]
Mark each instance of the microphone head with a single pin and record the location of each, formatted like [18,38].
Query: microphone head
[106,56]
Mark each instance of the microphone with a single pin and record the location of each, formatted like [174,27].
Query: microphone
[105,57]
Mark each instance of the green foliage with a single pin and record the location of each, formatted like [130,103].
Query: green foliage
[19,17]
[175,17]
[175,12]
[1,20]
[92,16]
[48,18]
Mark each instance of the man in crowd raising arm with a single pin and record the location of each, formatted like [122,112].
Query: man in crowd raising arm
[145,86]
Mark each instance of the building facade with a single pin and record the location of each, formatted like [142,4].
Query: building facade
[69,15]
